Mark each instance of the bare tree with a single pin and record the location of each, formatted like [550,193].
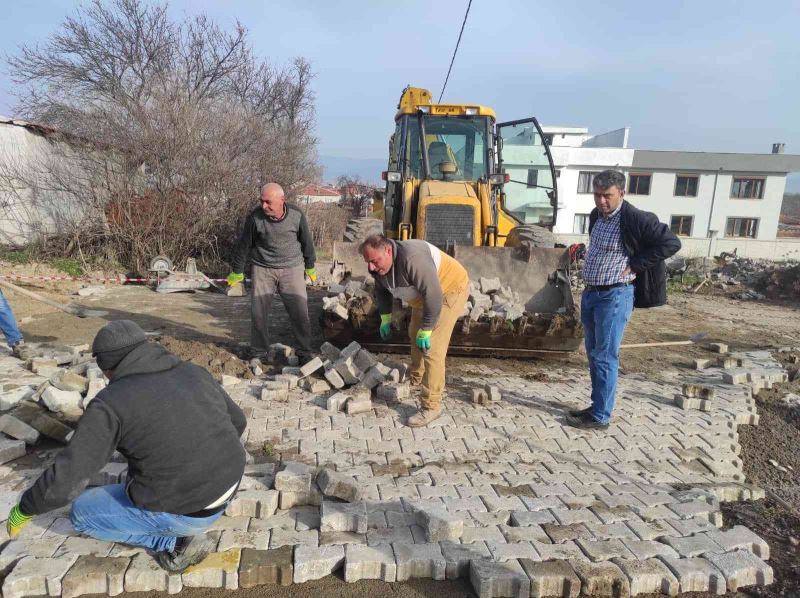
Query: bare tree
[168,127]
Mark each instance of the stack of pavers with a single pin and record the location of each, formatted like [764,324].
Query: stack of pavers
[499,492]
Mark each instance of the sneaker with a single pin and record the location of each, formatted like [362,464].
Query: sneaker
[586,422]
[424,417]
[579,412]
[188,551]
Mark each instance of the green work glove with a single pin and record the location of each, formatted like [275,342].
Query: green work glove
[235,278]
[386,326]
[312,274]
[16,521]
[424,339]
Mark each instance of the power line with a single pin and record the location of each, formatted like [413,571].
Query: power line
[452,60]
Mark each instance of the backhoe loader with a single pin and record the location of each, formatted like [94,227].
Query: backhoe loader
[485,192]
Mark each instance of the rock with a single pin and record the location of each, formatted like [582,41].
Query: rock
[369,562]
[228,381]
[338,485]
[15,428]
[95,575]
[65,402]
[312,562]
[69,381]
[261,567]
[37,418]
[13,397]
[489,285]
[11,449]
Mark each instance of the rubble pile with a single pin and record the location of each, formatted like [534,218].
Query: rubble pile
[759,278]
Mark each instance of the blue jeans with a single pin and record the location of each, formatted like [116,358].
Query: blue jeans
[7,322]
[106,513]
[604,315]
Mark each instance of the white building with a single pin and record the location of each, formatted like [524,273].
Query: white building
[318,194]
[706,197]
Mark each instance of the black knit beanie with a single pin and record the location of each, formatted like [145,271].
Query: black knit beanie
[114,341]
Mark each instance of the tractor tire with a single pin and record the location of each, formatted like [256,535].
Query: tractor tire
[535,236]
[359,229]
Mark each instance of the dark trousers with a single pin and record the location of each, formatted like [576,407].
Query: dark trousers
[290,284]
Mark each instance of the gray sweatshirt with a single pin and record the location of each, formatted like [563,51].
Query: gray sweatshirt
[285,243]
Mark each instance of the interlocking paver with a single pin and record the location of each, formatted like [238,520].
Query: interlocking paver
[696,575]
[312,562]
[741,568]
[555,579]
[33,576]
[95,575]
[648,576]
[602,579]
[459,556]
[491,579]
[369,562]
[419,560]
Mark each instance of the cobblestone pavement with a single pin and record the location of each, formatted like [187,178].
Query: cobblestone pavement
[504,495]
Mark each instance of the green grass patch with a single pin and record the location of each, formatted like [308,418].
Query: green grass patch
[67,265]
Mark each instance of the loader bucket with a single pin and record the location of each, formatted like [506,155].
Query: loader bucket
[550,324]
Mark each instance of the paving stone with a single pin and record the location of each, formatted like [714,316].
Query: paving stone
[555,579]
[287,500]
[145,575]
[253,503]
[336,402]
[524,534]
[390,535]
[696,575]
[355,406]
[439,525]
[740,537]
[648,549]
[512,550]
[18,429]
[344,517]
[312,562]
[419,560]
[295,477]
[567,551]
[332,483]
[288,537]
[369,562]
[35,547]
[603,550]
[482,534]
[217,570]
[326,538]
[459,556]
[33,576]
[742,568]
[84,545]
[311,367]
[562,533]
[11,449]
[526,518]
[649,577]
[14,396]
[230,539]
[602,579]
[491,579]
[693,545]
[261,567]
[334,378]
[95,575]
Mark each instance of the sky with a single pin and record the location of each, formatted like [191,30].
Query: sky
[702,75]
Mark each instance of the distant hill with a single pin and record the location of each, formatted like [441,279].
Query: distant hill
[367,169]
[790,209]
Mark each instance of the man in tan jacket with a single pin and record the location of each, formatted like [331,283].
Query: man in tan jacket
[436,287]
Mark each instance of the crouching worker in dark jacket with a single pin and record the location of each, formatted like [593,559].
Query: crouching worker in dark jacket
[179,432]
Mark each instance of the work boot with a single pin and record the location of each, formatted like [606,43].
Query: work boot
[17,348]
[188,551]
[424,417]
[579,412]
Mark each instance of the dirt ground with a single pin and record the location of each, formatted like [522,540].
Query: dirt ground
[213,330]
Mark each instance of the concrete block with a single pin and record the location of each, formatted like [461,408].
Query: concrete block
[419,561]
[649,577]
[566,551]
[69,381]
[289,499]
[12,397]
[601,579]
[648,549]
[273,384]
[329,352]
[314,385]
[17,429]
[95,386]
[698,391]
[489,285]
[253,503]
[65,402]
[342,538]
[479,396]
[336,402]
[552,579]
[459,556]
[44,366]
[84,545]
[11,449]
[312,562]
[348,371]
[291,380]
[291,371]
[281,350]
[689,546]
[492,393]
[262,567]
[236,538]
[507,551]
[372,378]
[268,394]
[742,568]
[369,562]
[350,351]
[701,364]
[295,477]
[95,575]
[391,391]
[145,575]
[603,550]
[37,577]
[740,538]
[289,537]
[491,579]
[339,485]
[439,525]
[334,378]
[217,570]
[717,347]
[356,406]
[228,381]
[696,575]
[365,360]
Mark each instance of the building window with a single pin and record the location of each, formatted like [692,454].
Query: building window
[585,181]
[747,188]
[581,226]
[681,225]
[742,227]
[533,176]
[685,186]
[639,184]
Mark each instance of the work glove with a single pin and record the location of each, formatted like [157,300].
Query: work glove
[235,278]
[16,521]
[577,251]
[386,326]
[312,274]
[424,339]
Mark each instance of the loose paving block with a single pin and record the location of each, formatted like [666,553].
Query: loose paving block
[336,402]
[253,503]
[95,575]
[69,381]
[295,477]
[365,360]
[145,575]
[350,351]
[390,535]
[567,551]
[602,579]
[491,579]
[314,385]
[332,483]
[439,525]
[268,394]
[348,371]
[84,545]
[740,537]
[512,550]
[217,570]
[17,429]
[419,560]
[11,449]
[458,557]
[261,567]
[603,550]
[690,546]
[312,562]
[649,577]
[287,500]
[648,549]
[329,352]
[234,538]
[493,394]
[14,396]
[334,378]
[356,406]
[344,517]
[696,574]
[717,347]
[555,579]
[741,568]
[342,538]
[289,537]
[701,364]
[369,562]
[37,577]
[479,396]
[311,367]
[391,391]
[698,391]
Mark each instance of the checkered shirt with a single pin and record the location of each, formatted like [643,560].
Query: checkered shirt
[606,257]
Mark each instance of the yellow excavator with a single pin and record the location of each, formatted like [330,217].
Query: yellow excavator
[485,192]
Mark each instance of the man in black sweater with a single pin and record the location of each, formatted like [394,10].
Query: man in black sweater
[277,239]
[179,432]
